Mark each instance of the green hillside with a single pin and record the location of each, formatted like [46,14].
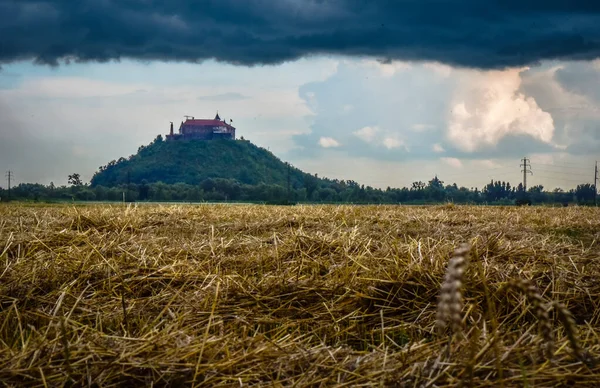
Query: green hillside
[192,162]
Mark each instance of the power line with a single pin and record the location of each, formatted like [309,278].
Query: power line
[573,164]
[493,176]
[474,171]
[555,179]
[562,172]
[559,166]
[570,174]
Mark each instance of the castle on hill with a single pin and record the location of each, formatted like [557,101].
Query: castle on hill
[203,129]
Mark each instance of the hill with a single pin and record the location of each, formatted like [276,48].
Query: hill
[192,162]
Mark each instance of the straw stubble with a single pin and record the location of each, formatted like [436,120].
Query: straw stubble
[220,295]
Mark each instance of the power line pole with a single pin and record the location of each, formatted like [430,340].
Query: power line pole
[9,176]
[288,181]
[128,185]
[596,184]
[526,170]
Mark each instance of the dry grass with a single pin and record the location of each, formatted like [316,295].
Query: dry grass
[305,296]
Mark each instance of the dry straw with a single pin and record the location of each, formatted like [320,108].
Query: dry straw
[292,296]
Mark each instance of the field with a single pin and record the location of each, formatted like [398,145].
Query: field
[215,295]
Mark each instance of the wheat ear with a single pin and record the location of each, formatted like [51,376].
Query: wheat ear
[450,299]
[540,310]
[566,318]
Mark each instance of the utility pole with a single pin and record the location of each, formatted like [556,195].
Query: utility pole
[288,181]
[596,184]
[9,175]
[526,170]
[128,186]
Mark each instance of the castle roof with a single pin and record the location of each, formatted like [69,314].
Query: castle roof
[206,122]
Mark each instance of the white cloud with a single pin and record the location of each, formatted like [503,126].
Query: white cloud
[487,163]
[73,87]
[422,127]
[230,96]
[574,107]
[452,162]
[366,134]
[390,143]
[79,151]
[439,68]
[460,112]
[556,99]
[437,147]
[328,142]
[490,107]
[112,109]
[376,135]
[542,158]
[387,69]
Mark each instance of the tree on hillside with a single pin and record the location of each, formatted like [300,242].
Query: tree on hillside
[310,183]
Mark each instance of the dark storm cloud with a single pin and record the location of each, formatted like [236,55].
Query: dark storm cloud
[472,33]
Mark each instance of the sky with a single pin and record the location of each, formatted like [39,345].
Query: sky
[384,92]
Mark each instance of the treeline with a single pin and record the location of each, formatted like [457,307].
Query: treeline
[312,190]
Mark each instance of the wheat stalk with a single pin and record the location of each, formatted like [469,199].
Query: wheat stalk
[450,299]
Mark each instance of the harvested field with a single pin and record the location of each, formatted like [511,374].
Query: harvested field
[305,295]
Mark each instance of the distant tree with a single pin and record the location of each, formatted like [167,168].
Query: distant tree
[436,183]
[75,179]
[585,192]
[537,194]
[418,186]
[144,190]
[327,195]
[435,189]
[536,189]
[521,196]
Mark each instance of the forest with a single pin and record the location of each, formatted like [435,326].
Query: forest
[313,191]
